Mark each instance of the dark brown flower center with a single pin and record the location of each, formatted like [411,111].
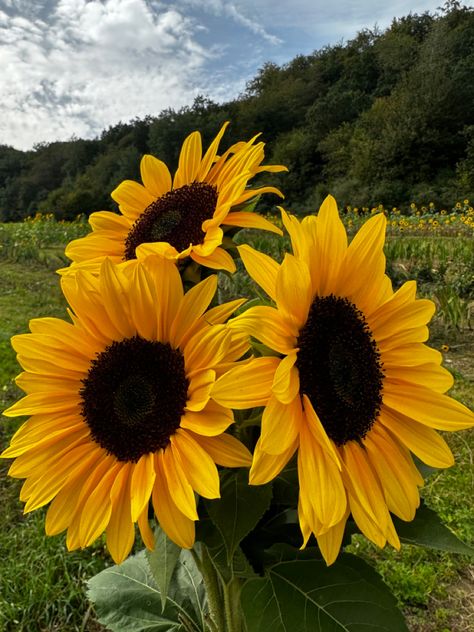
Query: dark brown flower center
[134,396]
[340,369]
[175,217]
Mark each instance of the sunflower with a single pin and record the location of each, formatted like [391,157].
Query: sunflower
[354,389]
[180,217]
[120,406]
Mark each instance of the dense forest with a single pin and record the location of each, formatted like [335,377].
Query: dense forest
[387,117]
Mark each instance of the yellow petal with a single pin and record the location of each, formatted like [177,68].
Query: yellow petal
[363,484]
[192,306]
[213,238]
[213,420]
[120,532]
[63,506]
[103,467]
[330,542]
[411,355]
[132,199]
[281,424]
[405,337]
[180,490]
[42,436]
[207,348]
[299,242]
[141,484]
[200,389]
[427,444]
[200,469]
[168,289]
[58,351]
[267,325]
[189,161]
[428,375]
[90,251]
[210,155]
[97,509]
[322,493]
[286,383]
[225,450]
[251,193]
[37,457]
[262,268]
[246,386]
[317,430]
[250,220]
[216,316]
[399,486]
[266,467]
[155,176]
[293,291]
[428,407]
[105,220]
[174,523]
[115,292]
[415,314]
[369,527]
[364,265]
[145,530]
[220,259]
[331,247]
[46,487]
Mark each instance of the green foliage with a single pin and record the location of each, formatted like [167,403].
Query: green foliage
[239,509]
[127,598]
[307,596]
[162,561]
[41,239]
[427,530]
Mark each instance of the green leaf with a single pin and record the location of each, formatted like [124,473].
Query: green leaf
[427,530]
[286,486]
[162,561]
[210,535]
[239,509]
[307,596]
[127,598]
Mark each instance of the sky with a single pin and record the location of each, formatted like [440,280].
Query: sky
[71,68]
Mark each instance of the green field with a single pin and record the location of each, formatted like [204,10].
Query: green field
[43,586]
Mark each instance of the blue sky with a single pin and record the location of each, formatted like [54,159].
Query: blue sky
[73,67]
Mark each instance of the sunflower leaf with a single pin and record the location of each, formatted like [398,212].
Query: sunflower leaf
[305,595]
[428,531]
[162,561]
[239,509]
[127,599]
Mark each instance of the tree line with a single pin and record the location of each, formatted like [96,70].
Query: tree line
[387,117]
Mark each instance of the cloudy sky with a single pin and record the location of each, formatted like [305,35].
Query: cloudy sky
[73,67]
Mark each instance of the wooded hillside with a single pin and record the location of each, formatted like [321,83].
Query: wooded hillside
[387,117]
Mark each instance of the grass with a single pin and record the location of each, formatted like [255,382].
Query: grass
[42,585]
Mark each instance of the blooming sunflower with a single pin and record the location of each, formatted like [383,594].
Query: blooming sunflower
[120,406]
[180,217]
[354,390]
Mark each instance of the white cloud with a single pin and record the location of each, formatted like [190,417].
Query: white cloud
[78,66]
[95,62]
[235,12]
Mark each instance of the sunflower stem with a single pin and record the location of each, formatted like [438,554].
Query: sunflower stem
[232,605]
[211,582]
